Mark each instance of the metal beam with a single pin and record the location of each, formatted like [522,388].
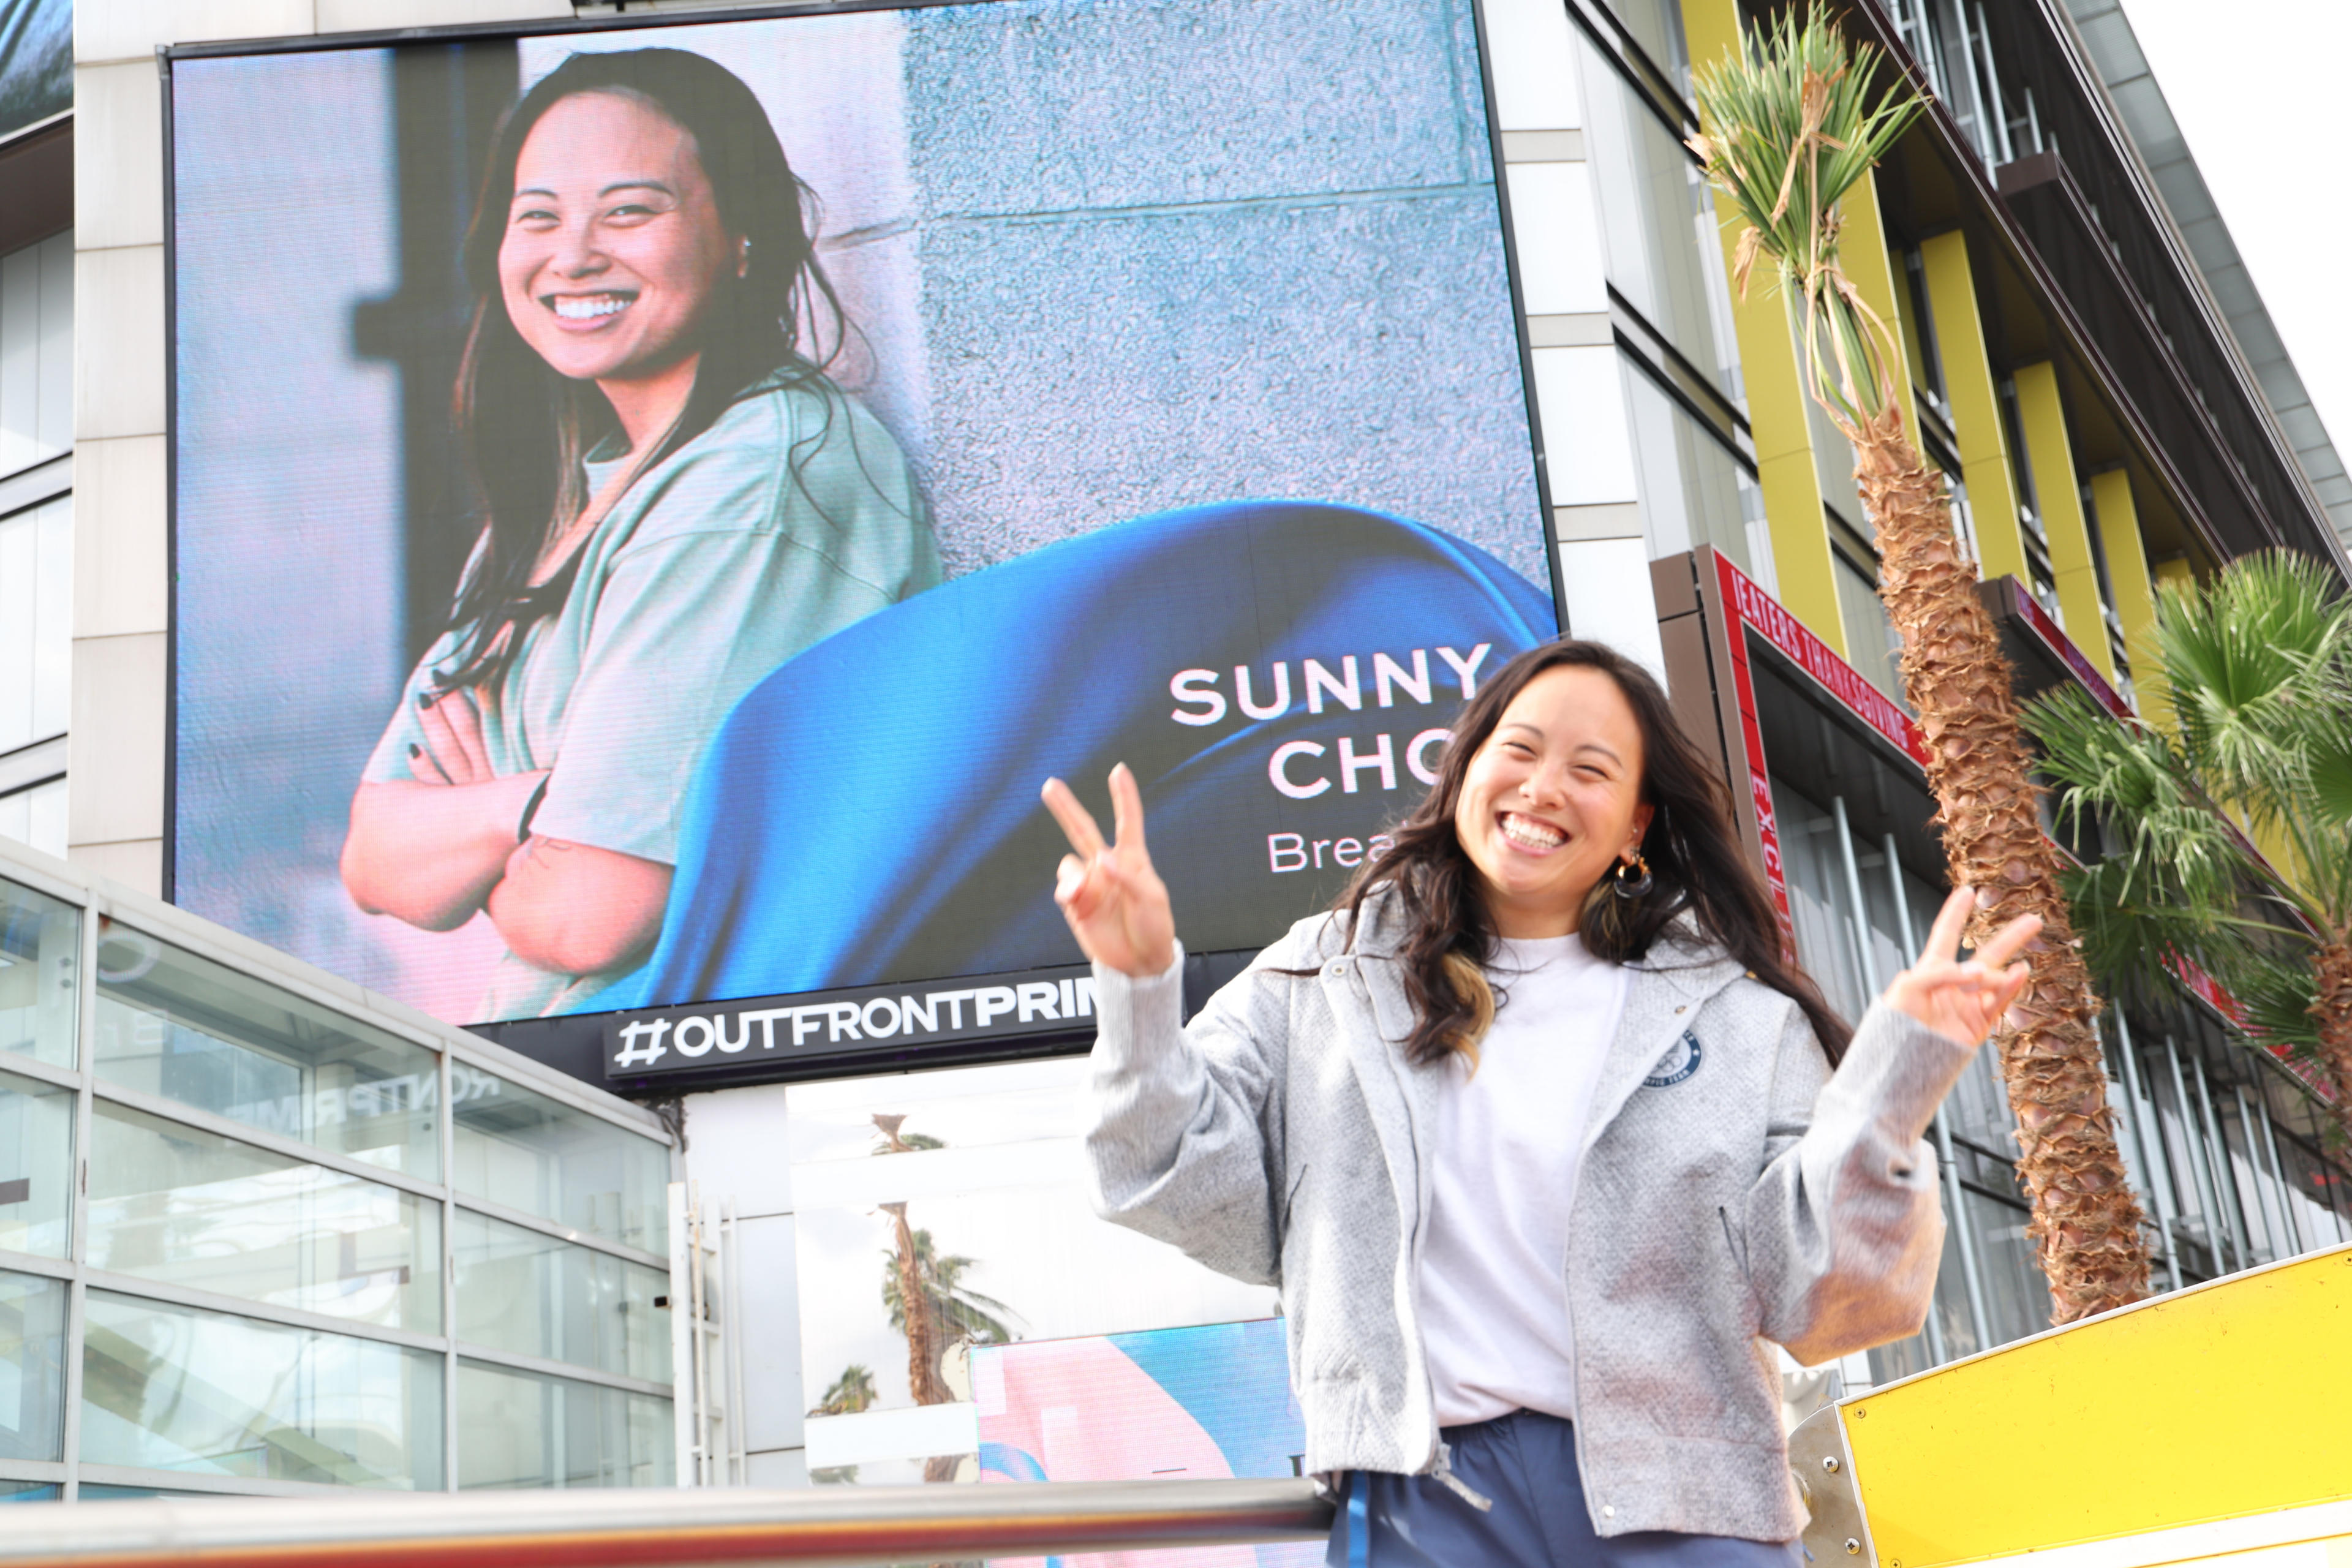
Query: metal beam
[841,1526]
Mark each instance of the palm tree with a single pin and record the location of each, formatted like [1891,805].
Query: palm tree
[1785,133]
[2258,667]
[893,1142]
[957,1314]
[851,1393]
[944,1313]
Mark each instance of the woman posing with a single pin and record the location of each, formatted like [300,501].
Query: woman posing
[679,499]
[1541,1138]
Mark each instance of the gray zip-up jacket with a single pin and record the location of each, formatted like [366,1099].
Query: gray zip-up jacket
[1733,1192]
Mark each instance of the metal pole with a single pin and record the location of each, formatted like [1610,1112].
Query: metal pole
[1933,1330]
[1867,972]
[2198,1177]
[2217,1156]
[2159,1165]
[701,1324]
[730,1328]
[2254,1170]
[1972,1285]
[653,1527]
[2286,1191]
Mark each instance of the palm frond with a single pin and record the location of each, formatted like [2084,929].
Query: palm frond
[1787,131]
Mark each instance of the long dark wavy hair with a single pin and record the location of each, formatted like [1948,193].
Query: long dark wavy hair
[525,429]
[1698,870]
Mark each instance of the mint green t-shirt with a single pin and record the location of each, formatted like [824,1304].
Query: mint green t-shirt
[793,516]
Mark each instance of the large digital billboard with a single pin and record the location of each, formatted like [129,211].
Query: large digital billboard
[651,503]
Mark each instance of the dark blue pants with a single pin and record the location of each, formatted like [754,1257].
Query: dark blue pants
[1526,1462]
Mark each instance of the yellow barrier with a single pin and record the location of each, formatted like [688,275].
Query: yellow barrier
[2216,1421]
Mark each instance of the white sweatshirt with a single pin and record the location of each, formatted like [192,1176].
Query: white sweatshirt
[1494,1293]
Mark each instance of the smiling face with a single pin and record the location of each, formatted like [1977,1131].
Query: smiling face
[1552,799]
[612,246]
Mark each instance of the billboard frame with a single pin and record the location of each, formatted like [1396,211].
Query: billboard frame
[575,1042]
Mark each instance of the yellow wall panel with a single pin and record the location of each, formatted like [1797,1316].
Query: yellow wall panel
[1976,406]
[2041,415]
[2118,524]
[2215,1403]
[1867,260]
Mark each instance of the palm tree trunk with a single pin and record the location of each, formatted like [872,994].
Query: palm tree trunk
[923,1378]
[2087,1224]
[2332,968]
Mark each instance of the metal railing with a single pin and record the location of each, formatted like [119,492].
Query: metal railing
[646,1529]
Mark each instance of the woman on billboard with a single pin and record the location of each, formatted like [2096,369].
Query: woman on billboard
[1540,1136]
[679,499]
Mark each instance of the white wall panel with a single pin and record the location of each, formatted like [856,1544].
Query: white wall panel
[366,15]
[1589,448]
[118,155]
[1558,233]
[123,582]
[1533,64]
[130,29]
[116,753]
[1609,599]
[118,342]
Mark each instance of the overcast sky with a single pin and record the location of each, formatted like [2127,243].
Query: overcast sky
[2259,91]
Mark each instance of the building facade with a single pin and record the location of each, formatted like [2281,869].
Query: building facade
[263,1233]
[2083,356]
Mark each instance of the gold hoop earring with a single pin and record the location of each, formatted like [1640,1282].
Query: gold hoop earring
[1636,887]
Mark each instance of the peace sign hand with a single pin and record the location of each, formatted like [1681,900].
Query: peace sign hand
[1116,903]
[1964,1001]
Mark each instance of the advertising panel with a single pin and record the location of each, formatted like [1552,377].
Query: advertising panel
[653,503]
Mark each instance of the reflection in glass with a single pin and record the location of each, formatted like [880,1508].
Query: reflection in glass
[1658,226]
[186,1029]
[29,1491]
[32,1367]
[93,1492]
[36,1166]
[170,1203]
[2016,1296]
[528,1293]
[524,1151]
[1873,646]
[172,1388]
[1692,489]
[40,958]
[522,1429]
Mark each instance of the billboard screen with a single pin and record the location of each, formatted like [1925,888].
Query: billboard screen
[651,503]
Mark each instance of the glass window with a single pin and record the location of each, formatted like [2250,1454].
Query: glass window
[171,1388]
[40,959]
[170,1203]
[36,622]
[186,1029]
[35,353]
[29,1491]
[525,1430]
[37,817]
[36,1166]
[1658,225]
[93,1492]
[2016,1297]
[1871,643]
[1656,27]
[32,1367]
[1692,489]
[525,1292]
[526,1152]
